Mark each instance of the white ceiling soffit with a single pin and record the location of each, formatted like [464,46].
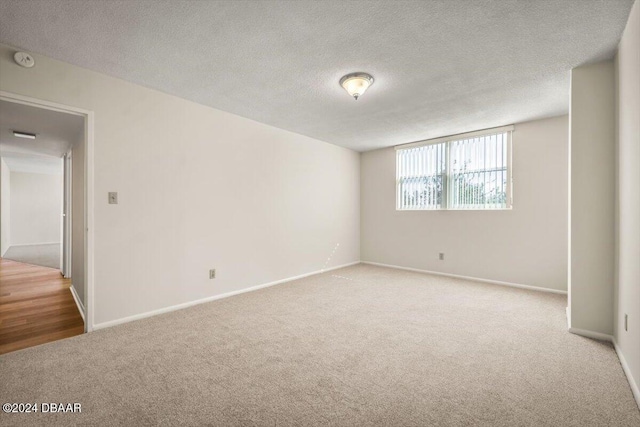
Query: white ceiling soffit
[17,162]
[440,67]
[55,131]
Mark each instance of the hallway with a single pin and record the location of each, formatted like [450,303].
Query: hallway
[36,306]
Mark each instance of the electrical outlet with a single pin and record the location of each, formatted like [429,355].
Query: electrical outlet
[441,256]
[626,322]
[212,274]
[113,198]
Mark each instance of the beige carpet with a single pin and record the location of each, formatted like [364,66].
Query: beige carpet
[355,347]
[43,255]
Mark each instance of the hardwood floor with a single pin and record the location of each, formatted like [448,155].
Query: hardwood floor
[36,306]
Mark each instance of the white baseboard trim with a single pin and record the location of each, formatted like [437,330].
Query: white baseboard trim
[475,279]
[34,244]
[212,298]
[591,334]
[625,367]
[78,302]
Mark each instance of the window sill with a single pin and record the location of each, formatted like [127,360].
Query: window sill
[456,210]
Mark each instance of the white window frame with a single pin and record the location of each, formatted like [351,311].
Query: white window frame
[446,195]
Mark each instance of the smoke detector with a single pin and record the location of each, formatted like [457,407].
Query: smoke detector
[23,59]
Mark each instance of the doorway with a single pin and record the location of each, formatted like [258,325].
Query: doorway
[44,221]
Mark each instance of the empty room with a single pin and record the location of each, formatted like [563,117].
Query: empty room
[399,213]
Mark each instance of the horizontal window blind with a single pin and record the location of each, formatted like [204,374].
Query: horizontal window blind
[461,173]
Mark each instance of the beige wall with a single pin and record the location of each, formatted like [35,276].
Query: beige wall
[627,290]
[198,189]
[36,208]
[526,245]
[592,149]
[5,206]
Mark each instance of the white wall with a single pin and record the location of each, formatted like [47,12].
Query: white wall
[5,207]
[36,208]
[198,189]
[627,289]
[592,148]
[525,245]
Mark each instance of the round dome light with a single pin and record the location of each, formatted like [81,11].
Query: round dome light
[356,83]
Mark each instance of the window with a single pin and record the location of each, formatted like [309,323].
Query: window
[469,171]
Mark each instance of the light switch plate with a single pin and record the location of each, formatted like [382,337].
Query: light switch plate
[113,198]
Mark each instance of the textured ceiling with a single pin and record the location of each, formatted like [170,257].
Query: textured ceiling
[55,132]
[441,67]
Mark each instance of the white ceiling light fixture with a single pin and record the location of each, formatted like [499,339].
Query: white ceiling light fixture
[356,83]
[24,135]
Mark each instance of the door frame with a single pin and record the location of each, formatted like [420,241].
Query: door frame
[67,218]
[88,188]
